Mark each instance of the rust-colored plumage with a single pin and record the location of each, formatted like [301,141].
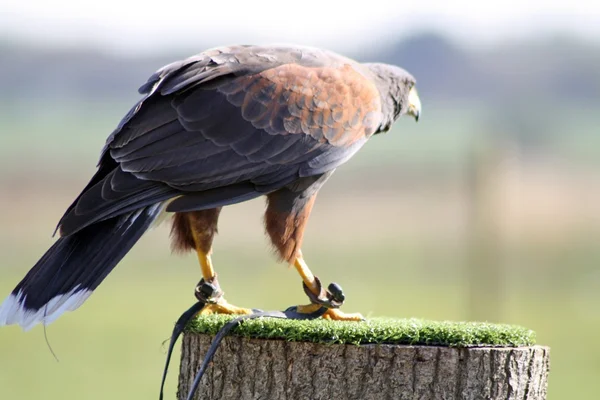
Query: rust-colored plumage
[337,105]
[285,228]
[222,127]
[194,230]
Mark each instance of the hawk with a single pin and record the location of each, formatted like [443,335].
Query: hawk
[222,127]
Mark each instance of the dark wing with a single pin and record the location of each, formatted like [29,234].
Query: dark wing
[229,125]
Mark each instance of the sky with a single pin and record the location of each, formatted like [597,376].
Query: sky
[142,27]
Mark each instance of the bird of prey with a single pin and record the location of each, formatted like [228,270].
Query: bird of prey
[224,126]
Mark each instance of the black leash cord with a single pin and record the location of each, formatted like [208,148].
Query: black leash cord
[290,313]
[177,330]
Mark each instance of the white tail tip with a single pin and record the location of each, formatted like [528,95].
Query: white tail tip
[13,311]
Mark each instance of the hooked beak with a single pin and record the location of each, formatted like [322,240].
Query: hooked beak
[414,104]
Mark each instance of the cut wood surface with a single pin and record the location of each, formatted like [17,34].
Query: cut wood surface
[249,368]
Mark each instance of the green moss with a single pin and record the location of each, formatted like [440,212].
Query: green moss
[375,330]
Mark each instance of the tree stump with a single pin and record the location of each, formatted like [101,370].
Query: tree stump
[249,368]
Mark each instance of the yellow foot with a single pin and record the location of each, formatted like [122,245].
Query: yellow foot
[223,307]
[331,314]
[337,315]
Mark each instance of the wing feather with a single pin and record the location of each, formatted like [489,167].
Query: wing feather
[247,118]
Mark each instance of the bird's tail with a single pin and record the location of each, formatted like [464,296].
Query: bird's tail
[73,267]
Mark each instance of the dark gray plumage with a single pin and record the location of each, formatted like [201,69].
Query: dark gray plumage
[224,126]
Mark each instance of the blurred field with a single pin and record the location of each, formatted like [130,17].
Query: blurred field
[409,228]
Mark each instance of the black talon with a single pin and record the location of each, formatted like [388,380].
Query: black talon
[205,291]
[331,298]
[336,292]
[208,292]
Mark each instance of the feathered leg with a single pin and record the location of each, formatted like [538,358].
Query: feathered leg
[287,213]
[196,230]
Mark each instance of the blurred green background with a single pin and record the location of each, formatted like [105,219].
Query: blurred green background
[487,209]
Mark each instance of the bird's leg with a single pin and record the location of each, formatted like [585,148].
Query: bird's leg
[286,216]
[218,304]
[196,230]
[312,284]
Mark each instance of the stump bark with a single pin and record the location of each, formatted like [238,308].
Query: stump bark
[245,368]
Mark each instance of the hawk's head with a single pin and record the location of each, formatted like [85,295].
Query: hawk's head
[398,93]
